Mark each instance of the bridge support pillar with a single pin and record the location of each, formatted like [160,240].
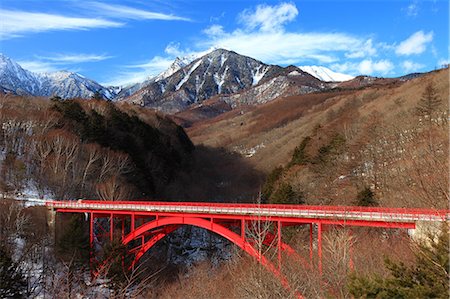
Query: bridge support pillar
[111,227]
[91,244]
[319,245]
[279,244]
[311,243]
[51,222]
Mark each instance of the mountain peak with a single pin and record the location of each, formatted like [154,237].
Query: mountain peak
[65,84]
[325,74]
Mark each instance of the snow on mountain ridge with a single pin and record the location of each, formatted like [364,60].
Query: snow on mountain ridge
[64,84]
[217,72]
[325,74]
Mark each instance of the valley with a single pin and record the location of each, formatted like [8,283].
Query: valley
[222,128]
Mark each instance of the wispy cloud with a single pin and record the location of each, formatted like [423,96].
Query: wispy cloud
[285,47]
[412,10]
[263,35]
[140,72]
[126,12]
[16,23]
[415,44]
[75,58]
[37,66]
[56,62]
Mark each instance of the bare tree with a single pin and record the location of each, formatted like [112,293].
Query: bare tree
[113,189]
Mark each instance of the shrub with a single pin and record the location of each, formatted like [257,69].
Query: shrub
[300,157]
[284,194]
[427,278]
[366,198]
[269,184]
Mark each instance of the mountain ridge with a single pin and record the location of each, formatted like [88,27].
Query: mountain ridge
[65,84]
[220,73]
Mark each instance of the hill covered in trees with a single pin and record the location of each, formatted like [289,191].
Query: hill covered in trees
[96,149]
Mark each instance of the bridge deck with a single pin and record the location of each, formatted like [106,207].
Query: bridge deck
[342,213]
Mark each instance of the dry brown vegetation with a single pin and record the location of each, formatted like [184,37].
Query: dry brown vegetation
[345,252]
[95,149]
[386,145]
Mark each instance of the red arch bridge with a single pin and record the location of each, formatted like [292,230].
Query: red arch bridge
[142,224]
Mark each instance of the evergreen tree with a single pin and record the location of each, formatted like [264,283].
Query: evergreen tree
[366,198]
[74,241]
[429,103]
[300,157]
[427,278]
[97,96]
[12,282]
[269,184]
[285,194]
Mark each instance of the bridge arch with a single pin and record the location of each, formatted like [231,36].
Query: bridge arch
[209,225]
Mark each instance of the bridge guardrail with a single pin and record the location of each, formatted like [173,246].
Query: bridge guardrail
[345,212]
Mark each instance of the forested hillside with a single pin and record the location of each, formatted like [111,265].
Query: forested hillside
[97,149]
[326,148]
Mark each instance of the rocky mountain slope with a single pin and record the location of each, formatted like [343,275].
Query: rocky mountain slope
[222,73]
[15,79]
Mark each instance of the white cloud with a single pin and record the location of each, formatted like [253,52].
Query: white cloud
[214,30]
[75,58]
[369,67]
[413,9]
[263,36]
[285,47]
[141,72]
[410,66]
[365,67]
[415,44]
[37,66]
[15,23]
[269,18]
[365,50]
[126,12]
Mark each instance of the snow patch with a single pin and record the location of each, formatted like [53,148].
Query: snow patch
[294,73]
[222,60]
[258,74]
[220,80]
[186,77]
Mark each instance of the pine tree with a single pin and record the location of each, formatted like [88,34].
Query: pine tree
[300,157]
[366,198]
[429,103]
[285,194]
[427,278]
[97,96]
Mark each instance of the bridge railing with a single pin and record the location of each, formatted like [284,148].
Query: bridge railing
[394,214]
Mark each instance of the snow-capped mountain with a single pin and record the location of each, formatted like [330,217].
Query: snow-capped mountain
[325,74]
[15,79]
[64,84]
[219,72]
[173,68]
[178,64]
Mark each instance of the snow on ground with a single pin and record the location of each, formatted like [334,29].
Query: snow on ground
[248,153]
[30,196]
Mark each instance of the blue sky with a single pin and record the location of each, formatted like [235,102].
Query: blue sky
[120,42]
